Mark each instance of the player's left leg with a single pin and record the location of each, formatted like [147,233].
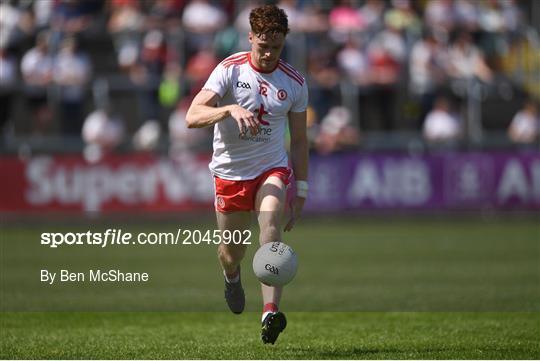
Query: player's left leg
[269,204]
[230,255]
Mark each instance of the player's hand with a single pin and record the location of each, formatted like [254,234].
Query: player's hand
[296,207]
[245,119]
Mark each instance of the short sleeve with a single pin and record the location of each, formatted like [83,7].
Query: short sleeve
[301,101]
[218,82]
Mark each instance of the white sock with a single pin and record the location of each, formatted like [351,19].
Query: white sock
[264,315]
[232,280]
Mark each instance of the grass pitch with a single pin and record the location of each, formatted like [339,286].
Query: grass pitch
[311,335]
[366,289]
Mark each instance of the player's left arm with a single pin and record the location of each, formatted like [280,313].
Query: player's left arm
[299,159]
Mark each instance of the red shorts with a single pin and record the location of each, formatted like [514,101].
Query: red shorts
[239,195]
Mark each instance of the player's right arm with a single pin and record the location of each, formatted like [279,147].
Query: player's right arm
[204,113]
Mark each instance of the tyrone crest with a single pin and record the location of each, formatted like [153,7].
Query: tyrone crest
[220,201]
[282,94]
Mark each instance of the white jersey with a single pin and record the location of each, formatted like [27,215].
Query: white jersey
[239,155]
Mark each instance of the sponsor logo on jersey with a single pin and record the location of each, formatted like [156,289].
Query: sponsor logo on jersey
[262,135]
[243,85]
[260,113]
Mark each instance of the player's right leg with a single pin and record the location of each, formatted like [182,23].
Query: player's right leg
[270,203]
[230,255]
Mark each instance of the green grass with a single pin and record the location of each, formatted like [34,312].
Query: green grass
[310,335]
[366,288]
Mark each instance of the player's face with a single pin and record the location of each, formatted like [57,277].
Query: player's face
[266,49]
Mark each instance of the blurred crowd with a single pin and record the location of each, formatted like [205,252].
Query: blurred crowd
[363,61]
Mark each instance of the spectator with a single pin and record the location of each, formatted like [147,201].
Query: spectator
[386,54]
[199,68]
[344,20]
[37,71]
[43,11]
[525,126]
[404,19]
[8,84]
[154,52]
[372,13]
[353,61]
[9,18]
[491,18]
[337,132]
[324,79]
[360,43]
[439,15]
[170,87]
[442,125]
[72,71]
[165,15]
[427,71]
[16,25]
[75,16]
[201,21]
[294,15]
[466,61]
[146,76]
[146,138]
[466,14]
[390,41]
[102,132]
[313,19]
[125,25]
[513,17]
[185,141]
[493,25]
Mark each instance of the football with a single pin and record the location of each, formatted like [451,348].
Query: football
[275,264]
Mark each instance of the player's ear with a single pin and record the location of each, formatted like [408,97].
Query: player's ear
[250,37]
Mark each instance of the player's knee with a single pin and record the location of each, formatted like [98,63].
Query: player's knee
[230,255]
[225,257]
